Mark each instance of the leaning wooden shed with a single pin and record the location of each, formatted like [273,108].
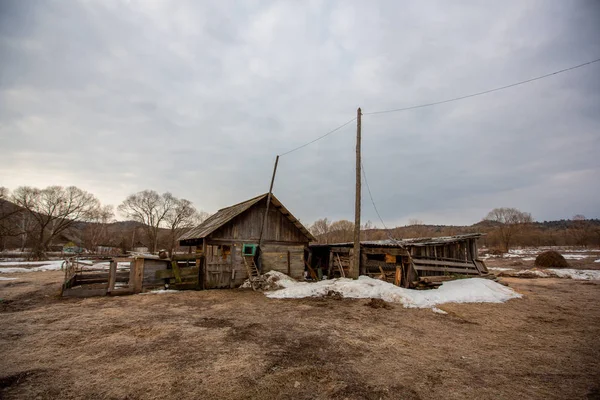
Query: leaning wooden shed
[227,239]
[405,262]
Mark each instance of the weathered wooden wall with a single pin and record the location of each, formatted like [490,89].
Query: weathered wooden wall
[247,226]
[150,269]
[288,259]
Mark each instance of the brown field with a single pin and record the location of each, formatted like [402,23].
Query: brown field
[238,344]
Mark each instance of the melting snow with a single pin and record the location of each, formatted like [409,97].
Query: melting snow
[574,256]
[162,291]
[536,272]
[473,290]
[3,278]
[500,269]
[43,266]
[598,260]
[579,274]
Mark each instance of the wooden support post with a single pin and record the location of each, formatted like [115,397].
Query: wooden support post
[355,265]
[112,276]
[136,275]
[176,271]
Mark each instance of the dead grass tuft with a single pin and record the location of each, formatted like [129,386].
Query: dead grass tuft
[378,303]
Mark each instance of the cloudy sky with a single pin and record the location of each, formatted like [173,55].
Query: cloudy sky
[198,97]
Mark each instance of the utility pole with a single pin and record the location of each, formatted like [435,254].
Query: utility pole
[264,225]
[355,267]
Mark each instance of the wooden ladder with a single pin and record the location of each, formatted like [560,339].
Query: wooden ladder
[253,272]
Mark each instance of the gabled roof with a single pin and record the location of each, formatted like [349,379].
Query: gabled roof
[225,215]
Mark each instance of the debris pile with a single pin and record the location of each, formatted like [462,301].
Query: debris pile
[551,259]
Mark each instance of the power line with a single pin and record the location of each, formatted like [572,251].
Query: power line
[371,195]
[484,92]
[319,138]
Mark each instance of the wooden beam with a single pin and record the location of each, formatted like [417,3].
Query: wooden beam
[137,275]
[420,261]
[470,271]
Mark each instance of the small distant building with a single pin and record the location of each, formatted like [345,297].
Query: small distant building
[140,247]
[222,236]
[72,248]
[108,250]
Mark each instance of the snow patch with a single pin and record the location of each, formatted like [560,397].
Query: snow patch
[500,269]
[535,272]
[529,259]
[473,290]
[574,256]
[598,260]
[162,291]
[3,278]
[43,266]
[438,311]
[578,274]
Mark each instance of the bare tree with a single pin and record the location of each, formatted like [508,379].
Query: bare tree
[54,210]
[96,232]
[510,221]
[9,217]
[181,218]
[149,208]
[342,231]
[581,230]
[320,229]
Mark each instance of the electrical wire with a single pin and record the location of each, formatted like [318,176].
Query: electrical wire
[482,93]
[319,138]
[364,174]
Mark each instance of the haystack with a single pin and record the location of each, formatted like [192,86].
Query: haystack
[551,259]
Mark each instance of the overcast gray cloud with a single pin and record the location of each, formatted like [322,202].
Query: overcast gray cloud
[198,98]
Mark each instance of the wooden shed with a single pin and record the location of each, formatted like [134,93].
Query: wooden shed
[405,262]
[226,239]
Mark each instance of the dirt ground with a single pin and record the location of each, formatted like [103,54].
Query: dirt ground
[238,344]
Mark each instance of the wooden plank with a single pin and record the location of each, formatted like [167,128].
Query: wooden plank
[468,271]
[342,274]
[183,273]
[385,250]
[176,271]
[397,276]
[480,266]
[137,275]
[123,259]
[420,261]
[184,257]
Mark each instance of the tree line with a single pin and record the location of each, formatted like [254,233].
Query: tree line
[504,229]
[35,218]
[38,217]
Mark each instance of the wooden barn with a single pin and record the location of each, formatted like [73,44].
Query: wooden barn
[229,242]
[406,262]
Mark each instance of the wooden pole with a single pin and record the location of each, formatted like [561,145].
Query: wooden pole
[355,266]
[264,225]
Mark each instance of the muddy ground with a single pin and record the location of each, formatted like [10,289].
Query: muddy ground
[236,344]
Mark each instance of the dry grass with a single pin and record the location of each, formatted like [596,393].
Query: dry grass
[240,345]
